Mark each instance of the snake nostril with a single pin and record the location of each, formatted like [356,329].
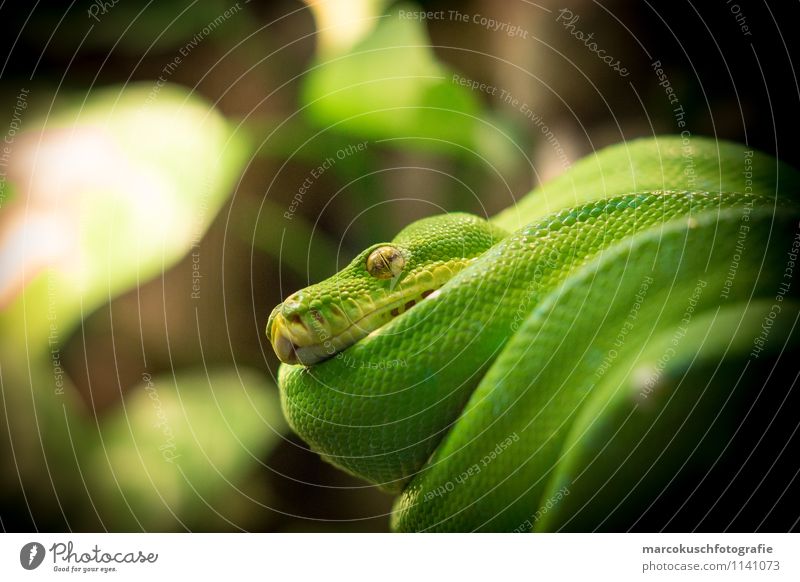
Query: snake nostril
[292,304]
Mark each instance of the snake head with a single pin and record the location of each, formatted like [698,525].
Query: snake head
[381,283]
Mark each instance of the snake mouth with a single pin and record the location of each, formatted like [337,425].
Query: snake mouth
[306,339]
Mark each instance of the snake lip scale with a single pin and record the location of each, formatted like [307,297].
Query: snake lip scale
[292,348]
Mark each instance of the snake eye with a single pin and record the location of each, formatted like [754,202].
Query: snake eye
[385,263]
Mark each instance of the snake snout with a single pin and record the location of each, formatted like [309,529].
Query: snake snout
[316,323]
[301,333]
[284,348]
[280,337]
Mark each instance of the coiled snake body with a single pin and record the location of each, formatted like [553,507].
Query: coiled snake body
[540,369]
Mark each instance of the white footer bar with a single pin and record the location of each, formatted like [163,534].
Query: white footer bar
[406,558]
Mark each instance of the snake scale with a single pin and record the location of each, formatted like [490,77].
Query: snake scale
[540,369]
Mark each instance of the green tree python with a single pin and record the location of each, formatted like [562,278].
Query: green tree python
[543,369]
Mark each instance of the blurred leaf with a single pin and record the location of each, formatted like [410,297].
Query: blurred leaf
[181,448]
[391,86]
[342,23]
[112,192]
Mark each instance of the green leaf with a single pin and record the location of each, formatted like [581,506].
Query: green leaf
[389,86]
[182,445]
[111,191]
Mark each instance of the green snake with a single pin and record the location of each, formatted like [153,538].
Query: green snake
[528,371]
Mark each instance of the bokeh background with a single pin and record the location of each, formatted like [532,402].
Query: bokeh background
[171,170]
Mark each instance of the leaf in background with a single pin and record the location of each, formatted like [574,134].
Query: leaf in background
[181,446]
[390,85]
[111,193]
[343,23]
